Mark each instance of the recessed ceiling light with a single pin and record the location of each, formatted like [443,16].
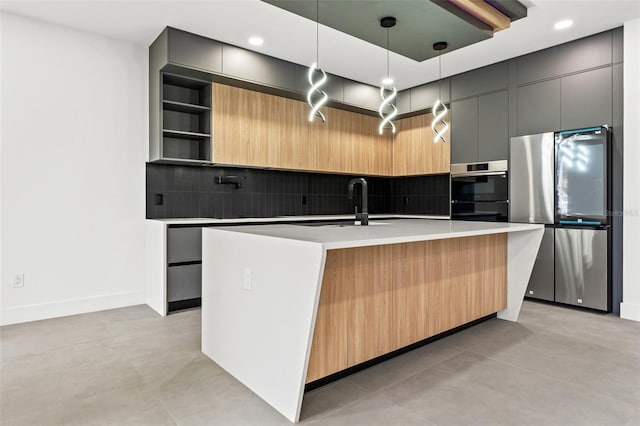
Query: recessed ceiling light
[387,81]
[564,24]
[256,41]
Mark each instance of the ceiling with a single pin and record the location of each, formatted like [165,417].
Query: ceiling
[420,24]
[292,37]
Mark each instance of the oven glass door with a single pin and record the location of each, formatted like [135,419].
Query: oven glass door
[492,187]
[486,211]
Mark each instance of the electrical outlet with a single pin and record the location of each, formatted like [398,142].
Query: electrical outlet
[248,284]
[18,280]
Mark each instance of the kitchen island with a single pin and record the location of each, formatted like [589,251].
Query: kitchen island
[285,305]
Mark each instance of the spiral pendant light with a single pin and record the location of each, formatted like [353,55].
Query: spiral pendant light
[316,97]
[388,92]
[439,110]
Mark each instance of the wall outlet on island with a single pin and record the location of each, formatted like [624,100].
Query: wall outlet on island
[248,285]
[18,280]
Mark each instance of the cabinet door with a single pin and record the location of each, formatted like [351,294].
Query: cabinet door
[586,99]
[493,126]
[194,51]
[541,283]
[258,129]
[414,152]
[184,282]
[539,108]
[184,244]
[464,131]
[252,66]
[581,267]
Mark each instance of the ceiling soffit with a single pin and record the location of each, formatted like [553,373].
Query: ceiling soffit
[420,23]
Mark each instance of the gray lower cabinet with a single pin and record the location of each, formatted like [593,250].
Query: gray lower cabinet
[541,283]
[184,244]
[184,267]
[581,274]
[184,282]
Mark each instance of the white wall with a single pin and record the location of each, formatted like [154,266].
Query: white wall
[630,308]
[74,141]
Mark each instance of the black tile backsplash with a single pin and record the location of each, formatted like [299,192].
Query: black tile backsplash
[188,191]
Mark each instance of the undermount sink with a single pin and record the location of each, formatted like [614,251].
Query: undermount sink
[340,224]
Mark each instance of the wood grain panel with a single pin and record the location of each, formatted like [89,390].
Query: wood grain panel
[484,12]
[257,129]
[410,292]
[414,152]
[370,315]
[329,346]
[378,299]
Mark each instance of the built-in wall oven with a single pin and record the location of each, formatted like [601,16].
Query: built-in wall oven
[480,191]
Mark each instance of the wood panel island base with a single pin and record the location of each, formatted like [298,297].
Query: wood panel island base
[285,305]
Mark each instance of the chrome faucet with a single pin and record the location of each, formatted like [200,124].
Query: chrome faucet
[363,217]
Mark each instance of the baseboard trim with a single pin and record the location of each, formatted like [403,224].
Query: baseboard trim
[63,308]
[630,311]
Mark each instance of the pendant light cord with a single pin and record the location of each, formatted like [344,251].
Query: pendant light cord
[388,76]
[439,74]
[318,33]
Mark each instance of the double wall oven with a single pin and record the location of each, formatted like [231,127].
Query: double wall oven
[480,191]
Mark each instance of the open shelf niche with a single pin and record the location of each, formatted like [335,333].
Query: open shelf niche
[186,118]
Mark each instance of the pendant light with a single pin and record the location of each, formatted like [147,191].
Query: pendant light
[316,97]
[439,110]
[387,109]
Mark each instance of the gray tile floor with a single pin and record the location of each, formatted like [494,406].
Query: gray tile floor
[128,366]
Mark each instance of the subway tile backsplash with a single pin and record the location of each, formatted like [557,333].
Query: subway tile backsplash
[187,191]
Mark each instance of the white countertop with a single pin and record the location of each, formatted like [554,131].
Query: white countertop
[207,221]
[391,231]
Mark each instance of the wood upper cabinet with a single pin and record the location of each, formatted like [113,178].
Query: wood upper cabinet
[261,130]
[257,129]
[414,152]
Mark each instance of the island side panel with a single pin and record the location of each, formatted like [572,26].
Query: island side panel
[523,248]
[400,294]
[259,296]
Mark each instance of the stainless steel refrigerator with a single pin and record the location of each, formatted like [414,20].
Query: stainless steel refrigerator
[531,200]
[562,180]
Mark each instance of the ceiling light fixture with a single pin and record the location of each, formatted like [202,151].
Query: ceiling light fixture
[256,41]
[387,109]
[316,97]
[563,25]
[439,110]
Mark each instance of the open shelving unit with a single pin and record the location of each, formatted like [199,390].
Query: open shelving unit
[186,119]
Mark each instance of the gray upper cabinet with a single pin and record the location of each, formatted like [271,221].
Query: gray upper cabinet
[618,45]
[586,99]
[493,126]
[361,95]
[589,52]
[194,51]
[403,102]
[334,87]
[464,131]
[482,80]
[539,107]
[423,97]
[255,67]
